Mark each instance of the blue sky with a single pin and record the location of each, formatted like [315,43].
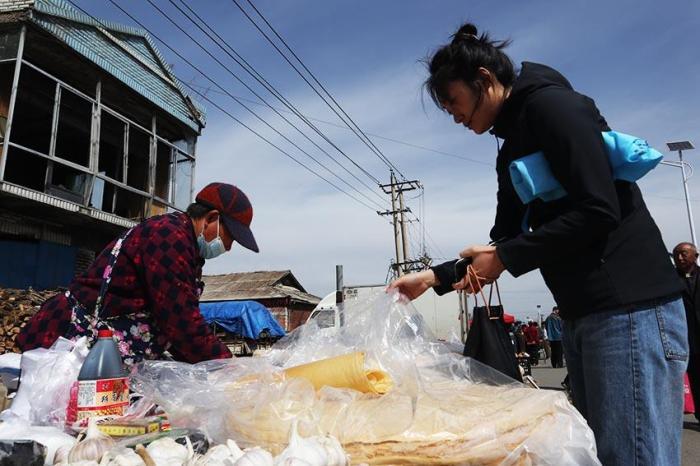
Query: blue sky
[638,59]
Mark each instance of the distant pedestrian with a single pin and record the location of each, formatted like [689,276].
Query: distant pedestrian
[532,338]
[553,324]
[545,343]
[685,256]
[521,343]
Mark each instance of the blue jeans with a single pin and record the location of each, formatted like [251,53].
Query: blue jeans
[626,376]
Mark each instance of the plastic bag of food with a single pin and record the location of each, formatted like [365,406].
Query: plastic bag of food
[441,408]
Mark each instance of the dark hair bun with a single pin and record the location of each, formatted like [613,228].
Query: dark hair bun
[466,32]
[461,60]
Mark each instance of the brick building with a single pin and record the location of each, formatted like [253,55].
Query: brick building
[279,291]
[96,134]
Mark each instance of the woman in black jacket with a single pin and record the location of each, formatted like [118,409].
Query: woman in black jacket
[598,249]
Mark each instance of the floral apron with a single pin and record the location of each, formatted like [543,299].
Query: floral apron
[133,333]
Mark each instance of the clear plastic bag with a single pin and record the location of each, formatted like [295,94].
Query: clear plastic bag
[47,375]
[443,408]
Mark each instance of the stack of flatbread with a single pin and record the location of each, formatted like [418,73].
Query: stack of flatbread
[446,422]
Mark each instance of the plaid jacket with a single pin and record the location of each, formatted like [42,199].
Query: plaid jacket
[158,272]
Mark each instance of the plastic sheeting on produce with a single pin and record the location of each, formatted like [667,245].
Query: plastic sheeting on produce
[245,318]
[443,408]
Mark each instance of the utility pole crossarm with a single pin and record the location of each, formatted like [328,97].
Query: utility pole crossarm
[400,186]
[392,212]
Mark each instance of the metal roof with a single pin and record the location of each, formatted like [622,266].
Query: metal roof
[125,52]
[255,285]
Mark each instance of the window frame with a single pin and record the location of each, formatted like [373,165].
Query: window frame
[92,168]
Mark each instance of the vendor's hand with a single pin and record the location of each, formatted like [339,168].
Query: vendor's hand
[486,267]
[413,285]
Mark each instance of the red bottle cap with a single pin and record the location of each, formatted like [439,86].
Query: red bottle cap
[104,333]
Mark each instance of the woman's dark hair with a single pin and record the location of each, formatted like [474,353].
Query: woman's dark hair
[460,61]
[197,211]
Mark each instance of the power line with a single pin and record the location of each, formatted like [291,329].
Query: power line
[316,80]
[304,152]
[243,63]
[222,109]
[239,102]
[247,67]
[239,80]
[363,137]
[437,248]
[296,69]
[240,122]
[421,196]
[278,148]
[374,135]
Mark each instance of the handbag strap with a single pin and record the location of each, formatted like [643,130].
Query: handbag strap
[472,275]
[107,273]
[498,292]
[498,295]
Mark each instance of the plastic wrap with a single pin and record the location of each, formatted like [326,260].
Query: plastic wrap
[443,408]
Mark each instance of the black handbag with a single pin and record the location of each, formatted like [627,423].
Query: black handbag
[488,341]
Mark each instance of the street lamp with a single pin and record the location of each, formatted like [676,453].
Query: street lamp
[680,146]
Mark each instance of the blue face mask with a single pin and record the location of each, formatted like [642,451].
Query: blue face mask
[213,248]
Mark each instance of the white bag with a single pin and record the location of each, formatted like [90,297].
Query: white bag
[46,379]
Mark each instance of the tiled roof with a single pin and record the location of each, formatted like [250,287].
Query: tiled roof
[255,285]
[15,5]
[125,52]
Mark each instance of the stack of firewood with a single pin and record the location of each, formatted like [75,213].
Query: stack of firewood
[16,308]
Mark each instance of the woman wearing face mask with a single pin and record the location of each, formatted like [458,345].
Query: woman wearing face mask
[150,283]
[598,249]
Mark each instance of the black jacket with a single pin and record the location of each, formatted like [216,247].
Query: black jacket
[598,247]
[691,300]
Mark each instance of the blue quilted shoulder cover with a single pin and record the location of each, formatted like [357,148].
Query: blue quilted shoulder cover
[630,157]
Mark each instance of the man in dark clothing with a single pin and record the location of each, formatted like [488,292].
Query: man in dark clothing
[553,324]
[685,256]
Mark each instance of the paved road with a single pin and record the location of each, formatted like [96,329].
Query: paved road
[549,378]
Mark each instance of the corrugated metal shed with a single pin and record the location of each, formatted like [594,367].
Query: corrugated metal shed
[126,53]
[255,285]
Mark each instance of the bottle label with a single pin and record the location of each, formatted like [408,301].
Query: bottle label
[104,397]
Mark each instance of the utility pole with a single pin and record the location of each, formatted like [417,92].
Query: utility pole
[395,188]
[395,223]
[404,235]
[339,298]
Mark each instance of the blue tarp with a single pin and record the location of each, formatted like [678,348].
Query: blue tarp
[246,318]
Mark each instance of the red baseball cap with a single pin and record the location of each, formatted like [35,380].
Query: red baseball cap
[235,209]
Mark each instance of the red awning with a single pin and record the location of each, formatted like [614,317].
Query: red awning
[507,319]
